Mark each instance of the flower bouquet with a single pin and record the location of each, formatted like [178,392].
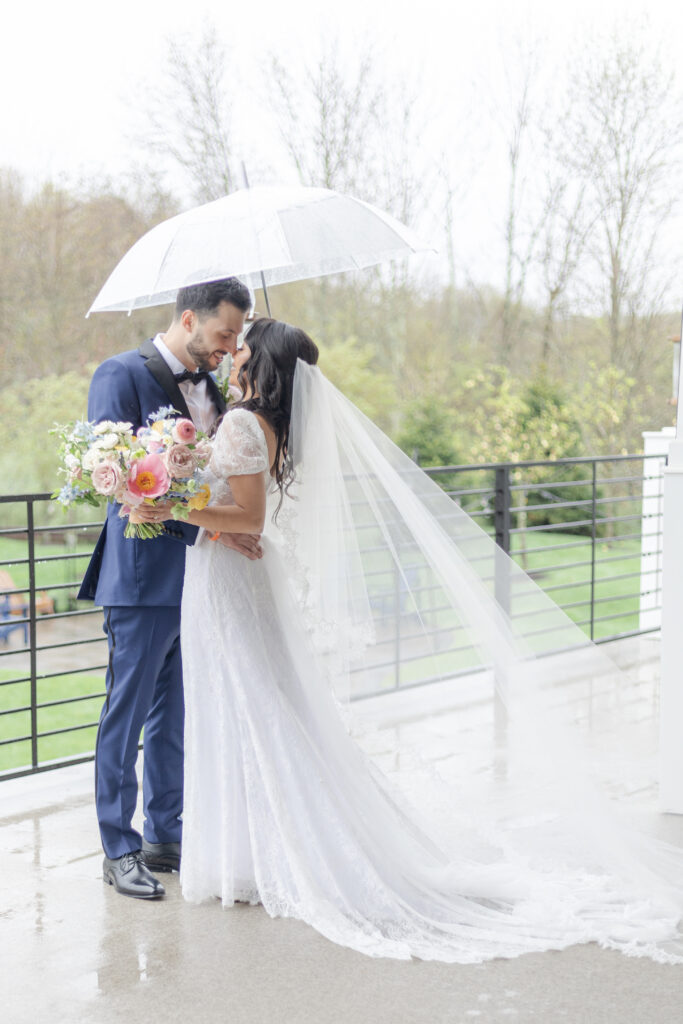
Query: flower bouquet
[107,461]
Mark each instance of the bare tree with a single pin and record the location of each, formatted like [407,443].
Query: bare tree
[622,141]
[345,128]
[188,117]
[563,235]
[326,118]
[521,226]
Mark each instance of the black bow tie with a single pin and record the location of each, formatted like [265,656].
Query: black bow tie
[189,375]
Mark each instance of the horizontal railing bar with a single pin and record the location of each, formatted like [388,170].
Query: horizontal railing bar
[54,675]
[552,506]
[617,615]
[22,773]
[582,542]
[546,611]
[601,482]
[24,498]
[467,491]
[51,616]
[72,728]
[546,485]
[56,703]
[576,460]
[546,528]
[55,647]
[544,569]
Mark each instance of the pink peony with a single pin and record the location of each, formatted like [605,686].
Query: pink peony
[107,477]
[148,477]
[180,461]
[184,431]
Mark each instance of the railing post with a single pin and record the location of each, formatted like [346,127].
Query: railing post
[502,508]
[503,501]
[30,524]
[397,630]
[501,522]
[593,539]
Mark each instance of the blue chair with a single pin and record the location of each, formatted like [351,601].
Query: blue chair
[8,621]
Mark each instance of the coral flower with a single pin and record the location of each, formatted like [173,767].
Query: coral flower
[148,477]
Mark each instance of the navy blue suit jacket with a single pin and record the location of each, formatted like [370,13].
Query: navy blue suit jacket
[125,571]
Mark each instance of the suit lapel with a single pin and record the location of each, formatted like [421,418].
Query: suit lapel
[215,394]
[163,375]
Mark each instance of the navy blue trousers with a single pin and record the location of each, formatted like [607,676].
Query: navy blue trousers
[144,689]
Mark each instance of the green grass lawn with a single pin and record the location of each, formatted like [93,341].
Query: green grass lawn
[613,557]
[63,716]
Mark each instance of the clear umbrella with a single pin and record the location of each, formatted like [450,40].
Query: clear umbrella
[266,235]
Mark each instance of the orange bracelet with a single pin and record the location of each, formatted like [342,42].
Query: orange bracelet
[216,535]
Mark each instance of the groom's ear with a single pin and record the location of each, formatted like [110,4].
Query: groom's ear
[188,319]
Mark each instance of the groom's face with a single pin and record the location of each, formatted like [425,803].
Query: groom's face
[213,337]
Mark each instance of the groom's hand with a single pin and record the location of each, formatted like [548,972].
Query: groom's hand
[246,543]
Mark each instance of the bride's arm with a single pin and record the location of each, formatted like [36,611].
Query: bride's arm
[246,515]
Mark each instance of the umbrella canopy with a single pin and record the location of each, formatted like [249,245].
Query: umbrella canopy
[263,235]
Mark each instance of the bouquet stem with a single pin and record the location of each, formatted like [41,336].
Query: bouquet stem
[143,531]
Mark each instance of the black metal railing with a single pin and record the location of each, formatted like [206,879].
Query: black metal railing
[575,525]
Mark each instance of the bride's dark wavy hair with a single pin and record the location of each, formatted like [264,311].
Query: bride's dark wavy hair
[269,373]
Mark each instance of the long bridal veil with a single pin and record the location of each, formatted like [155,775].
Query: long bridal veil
[399,585]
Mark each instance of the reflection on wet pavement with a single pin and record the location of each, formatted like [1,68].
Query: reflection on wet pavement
[73,950]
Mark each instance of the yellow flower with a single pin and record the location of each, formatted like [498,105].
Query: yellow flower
[201,499]
[158,425]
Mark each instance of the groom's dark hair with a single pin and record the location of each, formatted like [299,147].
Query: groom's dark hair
[204,299]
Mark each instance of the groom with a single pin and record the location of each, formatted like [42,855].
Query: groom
[139,584]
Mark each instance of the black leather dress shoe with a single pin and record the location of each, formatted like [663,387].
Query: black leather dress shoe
[161,856]
[130,877]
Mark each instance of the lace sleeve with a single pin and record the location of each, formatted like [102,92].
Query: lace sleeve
[240,446]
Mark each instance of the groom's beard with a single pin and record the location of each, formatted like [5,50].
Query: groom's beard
[202,358]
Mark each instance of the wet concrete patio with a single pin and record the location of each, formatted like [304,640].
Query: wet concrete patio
[73,950]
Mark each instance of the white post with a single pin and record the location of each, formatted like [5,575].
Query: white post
[671,695]
[655,442]
[671,691]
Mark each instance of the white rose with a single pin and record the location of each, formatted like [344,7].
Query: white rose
[92,458]
[118,427]
[107,441]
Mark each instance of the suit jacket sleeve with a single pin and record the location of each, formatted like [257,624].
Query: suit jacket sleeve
[113,395]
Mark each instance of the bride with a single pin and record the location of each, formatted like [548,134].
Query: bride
[369,569]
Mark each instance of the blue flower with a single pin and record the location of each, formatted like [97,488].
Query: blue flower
[83,431]
[69,493]
[166,412]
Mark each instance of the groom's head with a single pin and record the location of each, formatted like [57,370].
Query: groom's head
[207,322]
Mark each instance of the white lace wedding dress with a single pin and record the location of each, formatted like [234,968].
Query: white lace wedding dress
[283,807]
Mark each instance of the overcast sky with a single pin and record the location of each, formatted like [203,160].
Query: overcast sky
[69,70]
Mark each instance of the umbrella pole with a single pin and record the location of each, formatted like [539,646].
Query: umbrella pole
[263,280]
[265,293]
